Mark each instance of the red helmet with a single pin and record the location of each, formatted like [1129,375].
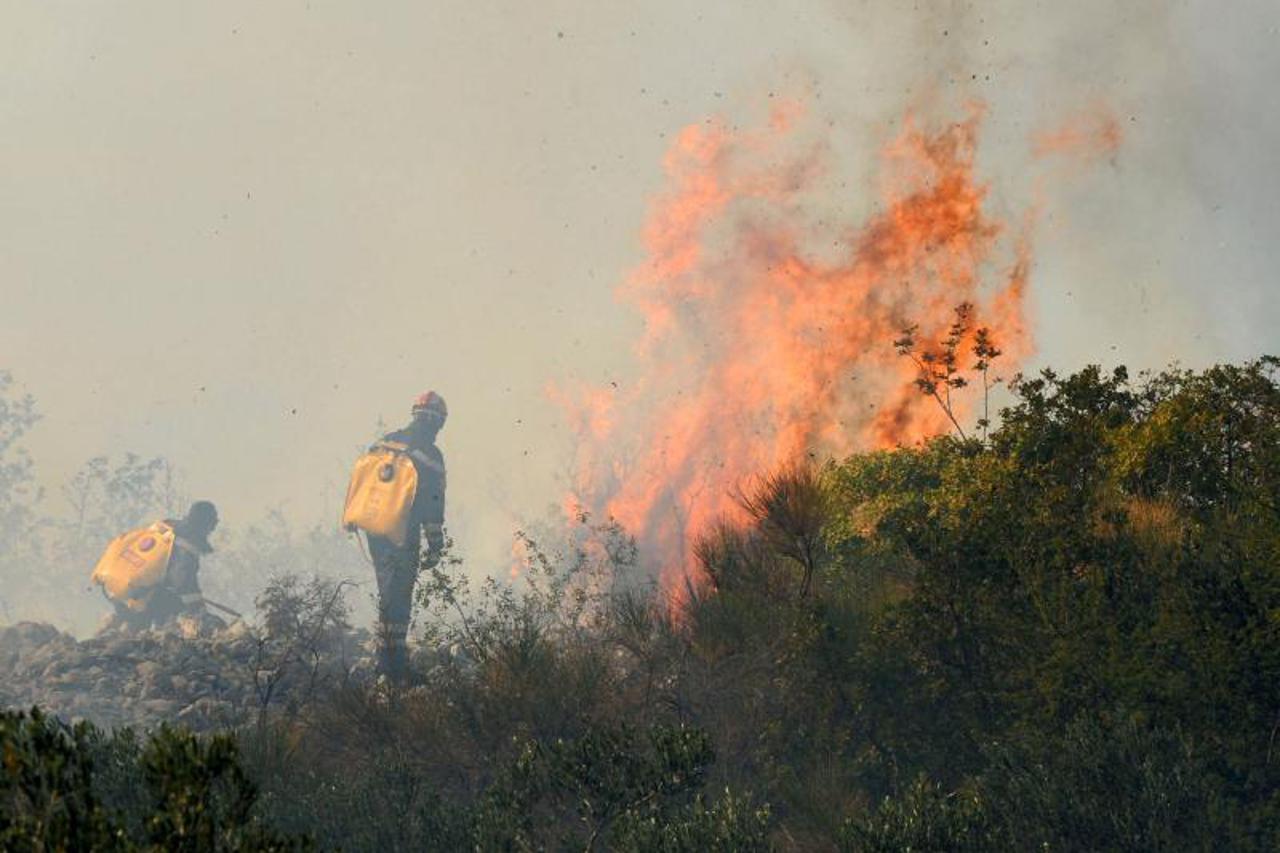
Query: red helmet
[431,403]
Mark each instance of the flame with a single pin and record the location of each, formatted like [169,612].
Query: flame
[1088,136]
[755,351]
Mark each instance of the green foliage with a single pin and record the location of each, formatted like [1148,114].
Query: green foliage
[1097,786]
[729,823]
[46,792]
[203,799]
[199,798]
[1111,552]
[924,819]
[576,791]
[788,509]
[1064,636]
[610,788]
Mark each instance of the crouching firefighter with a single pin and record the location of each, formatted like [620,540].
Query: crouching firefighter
[151,575]
[396,497]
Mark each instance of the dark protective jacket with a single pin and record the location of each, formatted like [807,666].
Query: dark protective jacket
[428,500]
[179,593]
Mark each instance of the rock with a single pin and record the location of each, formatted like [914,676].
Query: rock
[159,707]
[203,681]
[207,713]
[28,634]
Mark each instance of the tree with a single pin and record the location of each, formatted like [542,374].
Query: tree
[19,495]
[107,498]
[939,371]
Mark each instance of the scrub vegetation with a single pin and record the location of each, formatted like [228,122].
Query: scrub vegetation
[1058,632]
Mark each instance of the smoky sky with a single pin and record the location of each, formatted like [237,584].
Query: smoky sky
[241,235]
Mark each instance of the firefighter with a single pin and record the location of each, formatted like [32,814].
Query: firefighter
[177,595]
[396,566]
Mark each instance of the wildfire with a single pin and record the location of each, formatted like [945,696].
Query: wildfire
[755,352]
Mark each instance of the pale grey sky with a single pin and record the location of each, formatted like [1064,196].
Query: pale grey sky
[236,234]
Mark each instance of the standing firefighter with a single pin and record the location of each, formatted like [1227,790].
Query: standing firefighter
[151,575]
[396,497]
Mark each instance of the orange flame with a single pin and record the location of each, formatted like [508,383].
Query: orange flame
[1088,136]
[756,353]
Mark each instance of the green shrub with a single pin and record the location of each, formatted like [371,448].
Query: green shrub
[199,798]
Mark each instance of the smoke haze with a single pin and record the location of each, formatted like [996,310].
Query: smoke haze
[241,236]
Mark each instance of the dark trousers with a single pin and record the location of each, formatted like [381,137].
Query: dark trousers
[163,607]
[396,568]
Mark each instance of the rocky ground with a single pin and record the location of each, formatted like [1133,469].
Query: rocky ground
[203,681]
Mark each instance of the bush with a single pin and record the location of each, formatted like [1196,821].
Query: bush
[1066,634]
[924,819]
[199,796]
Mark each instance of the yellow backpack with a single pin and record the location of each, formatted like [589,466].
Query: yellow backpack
[134,564]
[380,496]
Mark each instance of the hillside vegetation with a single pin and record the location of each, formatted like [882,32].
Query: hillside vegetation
[1063,635]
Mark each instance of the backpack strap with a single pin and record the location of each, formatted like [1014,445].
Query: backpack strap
[426,461]
[393,446]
